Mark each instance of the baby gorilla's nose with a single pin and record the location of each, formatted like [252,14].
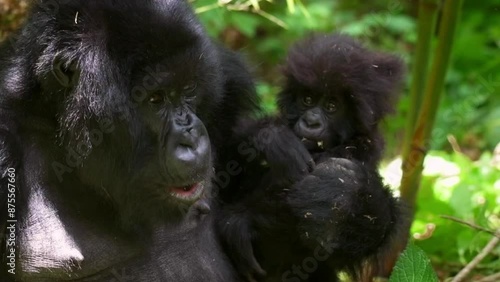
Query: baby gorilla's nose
[311,126]
[312,119]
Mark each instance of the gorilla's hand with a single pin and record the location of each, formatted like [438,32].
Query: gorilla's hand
[287,157]
[344,205]
[235,228]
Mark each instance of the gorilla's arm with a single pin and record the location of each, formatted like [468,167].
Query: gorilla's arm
[342,207]
[277,149]
[345,205]
[270,158]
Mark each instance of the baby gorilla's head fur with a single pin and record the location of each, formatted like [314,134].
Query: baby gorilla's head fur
[335,94]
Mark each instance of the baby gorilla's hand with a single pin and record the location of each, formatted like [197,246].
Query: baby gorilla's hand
[343,203]
[326,198]
[284,153]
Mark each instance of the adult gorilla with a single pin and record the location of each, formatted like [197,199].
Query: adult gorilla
[105,160]
[105,107]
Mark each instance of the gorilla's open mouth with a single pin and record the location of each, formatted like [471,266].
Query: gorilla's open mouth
[190,192]
[313,145]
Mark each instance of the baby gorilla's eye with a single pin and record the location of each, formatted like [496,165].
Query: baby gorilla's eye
[330,107]
[156,98]
[307,100]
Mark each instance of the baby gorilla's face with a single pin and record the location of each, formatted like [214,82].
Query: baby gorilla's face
[324,120]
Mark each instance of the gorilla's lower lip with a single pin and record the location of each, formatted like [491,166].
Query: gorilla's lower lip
[190,192]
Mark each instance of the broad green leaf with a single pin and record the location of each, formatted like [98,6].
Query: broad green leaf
[413,266]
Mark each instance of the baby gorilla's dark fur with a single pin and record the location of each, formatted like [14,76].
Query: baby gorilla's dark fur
[335,95]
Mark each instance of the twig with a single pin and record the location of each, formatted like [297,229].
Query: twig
[477,259]
[472,225]
[492,278]
[429,230]
[272,18]
[454,144]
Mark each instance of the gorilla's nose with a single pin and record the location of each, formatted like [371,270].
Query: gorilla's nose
[191,145]
[312,120]
[188,149]
[310,128]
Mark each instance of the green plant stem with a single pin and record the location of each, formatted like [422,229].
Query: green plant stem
[427,15]
[413,162]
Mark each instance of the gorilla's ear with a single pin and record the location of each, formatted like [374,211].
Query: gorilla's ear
[65,73]
[389,67]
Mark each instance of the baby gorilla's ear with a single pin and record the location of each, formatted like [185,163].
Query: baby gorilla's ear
[389,68]
[388,72]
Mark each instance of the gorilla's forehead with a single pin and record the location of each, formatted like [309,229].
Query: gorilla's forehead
[135,36]
[154,26]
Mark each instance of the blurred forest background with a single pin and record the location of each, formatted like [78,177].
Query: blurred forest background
[462,169]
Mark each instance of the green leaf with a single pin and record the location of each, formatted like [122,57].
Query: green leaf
[413,266]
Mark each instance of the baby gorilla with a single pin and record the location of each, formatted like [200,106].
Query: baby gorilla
[336,92]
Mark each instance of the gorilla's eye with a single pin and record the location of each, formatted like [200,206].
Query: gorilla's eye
[189,93]
[156,98]
[307,100]
[190,87]
[330,107]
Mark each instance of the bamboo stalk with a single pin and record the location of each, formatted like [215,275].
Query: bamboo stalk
[427,15]
[413,163]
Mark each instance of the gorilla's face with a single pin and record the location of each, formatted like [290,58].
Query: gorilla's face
[154,84]
[180,139]
[178,146]
[322,117]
